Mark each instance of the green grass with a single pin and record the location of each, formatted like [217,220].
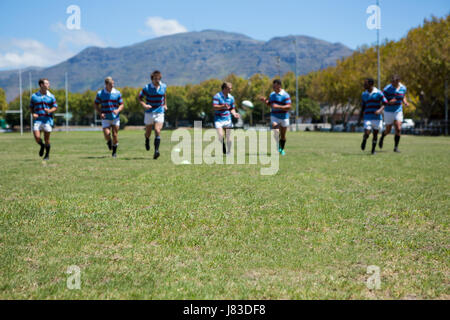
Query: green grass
[145,229]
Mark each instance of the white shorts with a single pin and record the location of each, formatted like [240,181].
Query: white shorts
[153,117]
[109,123]
[390,117]
[373,124]
[223,124]
[39,125]
[283,122]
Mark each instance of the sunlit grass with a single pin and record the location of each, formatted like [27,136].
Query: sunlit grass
[145,229]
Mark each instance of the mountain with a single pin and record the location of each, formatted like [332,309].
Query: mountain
[184,58]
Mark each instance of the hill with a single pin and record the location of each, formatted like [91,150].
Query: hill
[185,58]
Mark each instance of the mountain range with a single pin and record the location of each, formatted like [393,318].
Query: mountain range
[183,58]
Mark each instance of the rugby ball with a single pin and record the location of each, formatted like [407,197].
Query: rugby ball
[247,104]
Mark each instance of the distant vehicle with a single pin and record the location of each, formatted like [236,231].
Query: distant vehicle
[408,124]
[433,123]
[3,124]
[338,128]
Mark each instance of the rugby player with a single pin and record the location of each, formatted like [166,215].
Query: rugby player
[373,102]
[224,107]
[395,93]
[155,106]
[109,104]
[280,103]
[42,106]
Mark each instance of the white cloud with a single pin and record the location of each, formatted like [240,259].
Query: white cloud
[28,52]
[77,38]
[163,27]
[19,53]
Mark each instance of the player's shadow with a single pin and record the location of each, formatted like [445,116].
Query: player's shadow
[96,157]
[257,154]
[137,158]
[109,157]
[360,153]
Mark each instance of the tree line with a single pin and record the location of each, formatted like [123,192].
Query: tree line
[422,59]
[185,103]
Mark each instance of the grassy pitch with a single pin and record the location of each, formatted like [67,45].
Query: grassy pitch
[144,229]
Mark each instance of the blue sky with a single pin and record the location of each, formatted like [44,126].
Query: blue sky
[35,32]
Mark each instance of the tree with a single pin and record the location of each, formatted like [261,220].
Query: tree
[199,100]
[259,85]
[425,64]
[422,59]
[176,104]
[309,108]
[3,103]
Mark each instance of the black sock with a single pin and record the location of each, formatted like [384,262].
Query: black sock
[374,144]
[224,146]
[41,150]
[114,148]
[282,144]
[363,143]
[147,143]
[157,142]
[397,141]
[47,150]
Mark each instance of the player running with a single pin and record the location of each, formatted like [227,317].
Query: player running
[280,102]
[155,106]
[42,106]
[223,104]
[373,102]
[395,93]
[109,104]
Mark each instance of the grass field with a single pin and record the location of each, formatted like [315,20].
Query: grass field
[145,229]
